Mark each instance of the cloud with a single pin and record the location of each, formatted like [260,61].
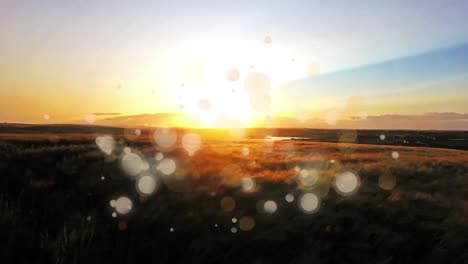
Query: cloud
[105,114]
[158,119]
[442,121]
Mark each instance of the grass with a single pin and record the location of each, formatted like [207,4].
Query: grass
[54,204]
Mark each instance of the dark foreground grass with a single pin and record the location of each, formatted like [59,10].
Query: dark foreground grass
[54,205]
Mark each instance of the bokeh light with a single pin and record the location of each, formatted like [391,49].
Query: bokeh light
[234,220]
[122,226]
[289,198]
[382,137]
[127,150]
[257,87]
[246,223]
[90,118]
[165,137]
[230,175]
[387,181]
[308,177]
[233,75]
[233,230]
[267,39]
[132,164]
[191,143]
[363,115]
[123,205]
[395,155]
[106,144]
[245,151]
[247,184]
[347,183]
[159,156]
[228,204]
[146,185]
[204,105]
[167,166]
[332,117]
[270,207]
[145,166]
[137,132]
[309,203]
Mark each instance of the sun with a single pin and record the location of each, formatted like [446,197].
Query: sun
[212,74]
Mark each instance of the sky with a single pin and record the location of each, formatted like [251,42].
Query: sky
[330,64]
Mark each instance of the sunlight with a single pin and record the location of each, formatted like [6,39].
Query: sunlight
[210,75]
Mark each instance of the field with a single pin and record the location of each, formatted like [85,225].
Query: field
[243,200]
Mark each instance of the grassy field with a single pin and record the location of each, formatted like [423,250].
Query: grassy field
[232,201]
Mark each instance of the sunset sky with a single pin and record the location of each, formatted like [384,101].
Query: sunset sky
[352,64]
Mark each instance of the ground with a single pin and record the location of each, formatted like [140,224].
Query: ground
[227,203]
